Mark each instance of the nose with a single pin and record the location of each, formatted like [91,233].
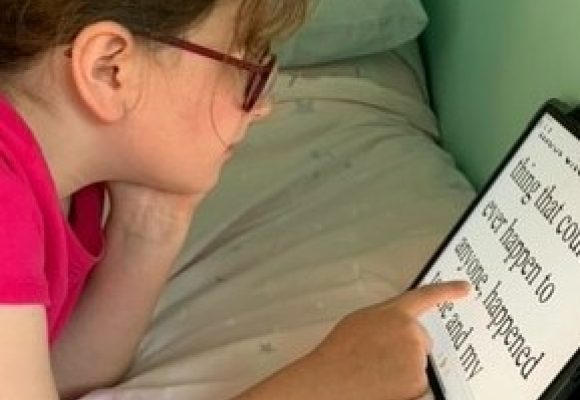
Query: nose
[262,109]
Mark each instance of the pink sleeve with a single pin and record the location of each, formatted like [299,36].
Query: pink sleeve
[22,277]
[85,216]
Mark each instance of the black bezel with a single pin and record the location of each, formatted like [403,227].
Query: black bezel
[569,377]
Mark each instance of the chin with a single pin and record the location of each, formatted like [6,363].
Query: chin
[186,177]
[194,186]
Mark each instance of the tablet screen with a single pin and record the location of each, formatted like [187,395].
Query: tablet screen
[519,246]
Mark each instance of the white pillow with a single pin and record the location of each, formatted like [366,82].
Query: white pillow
[339,29]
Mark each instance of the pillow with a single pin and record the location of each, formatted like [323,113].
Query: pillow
[339,29]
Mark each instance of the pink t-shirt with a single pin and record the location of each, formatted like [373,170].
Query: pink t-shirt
[45,257]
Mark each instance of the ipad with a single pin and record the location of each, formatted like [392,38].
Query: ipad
[517,336]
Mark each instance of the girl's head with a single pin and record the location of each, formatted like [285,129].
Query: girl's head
[117,80]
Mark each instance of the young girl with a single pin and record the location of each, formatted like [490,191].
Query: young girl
[146,100]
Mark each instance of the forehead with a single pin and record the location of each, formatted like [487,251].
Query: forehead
[218,27]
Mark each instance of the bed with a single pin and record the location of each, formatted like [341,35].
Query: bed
[333,203]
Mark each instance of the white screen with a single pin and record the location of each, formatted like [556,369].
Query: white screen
[521,249]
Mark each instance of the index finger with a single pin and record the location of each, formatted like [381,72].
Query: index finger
[420,300]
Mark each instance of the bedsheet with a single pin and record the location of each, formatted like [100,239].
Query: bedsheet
[333,203]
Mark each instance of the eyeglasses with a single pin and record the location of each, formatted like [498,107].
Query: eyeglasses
[261,77]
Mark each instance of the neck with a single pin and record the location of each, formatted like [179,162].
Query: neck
[72,156]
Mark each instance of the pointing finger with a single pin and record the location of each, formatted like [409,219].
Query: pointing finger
[420,300]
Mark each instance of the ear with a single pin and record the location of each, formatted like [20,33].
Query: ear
[104,62]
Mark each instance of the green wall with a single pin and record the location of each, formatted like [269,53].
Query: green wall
[491,64]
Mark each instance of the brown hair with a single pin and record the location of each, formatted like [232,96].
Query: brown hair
[28,28]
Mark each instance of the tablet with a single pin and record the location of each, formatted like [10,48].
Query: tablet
[517,336]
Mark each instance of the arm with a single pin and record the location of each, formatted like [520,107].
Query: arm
[99,342]
[24,365]
[377,353]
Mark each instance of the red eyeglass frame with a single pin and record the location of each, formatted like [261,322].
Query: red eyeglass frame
[260,74]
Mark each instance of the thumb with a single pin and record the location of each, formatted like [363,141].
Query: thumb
[420,300]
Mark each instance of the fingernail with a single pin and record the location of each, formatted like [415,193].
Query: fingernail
[463,286]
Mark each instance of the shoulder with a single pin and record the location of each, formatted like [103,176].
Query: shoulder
[17,203]
[22,248]
[20,218]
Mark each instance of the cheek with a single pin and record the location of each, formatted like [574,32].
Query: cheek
[194,122]
[216,103]
[213,121]
[228,122]
[207,125]
[228,119]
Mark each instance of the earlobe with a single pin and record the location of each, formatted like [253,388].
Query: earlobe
[102,57]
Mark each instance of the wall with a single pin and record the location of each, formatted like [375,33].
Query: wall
[491,64]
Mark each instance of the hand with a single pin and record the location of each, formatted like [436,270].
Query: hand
[148,214]
[380,352]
